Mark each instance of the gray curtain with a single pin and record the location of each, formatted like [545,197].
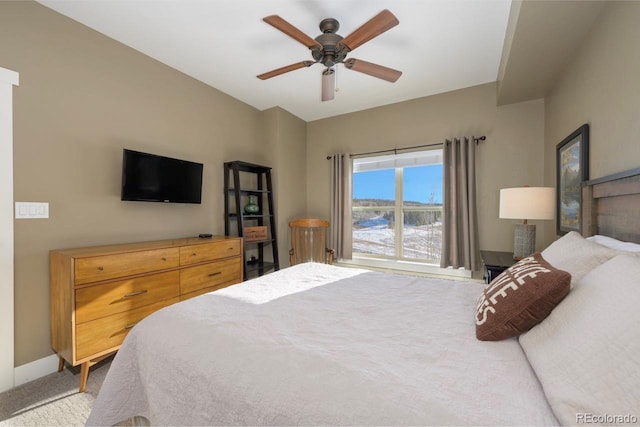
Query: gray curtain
[460,247]
[341,183]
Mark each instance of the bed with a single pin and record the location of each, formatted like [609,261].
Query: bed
[316,344]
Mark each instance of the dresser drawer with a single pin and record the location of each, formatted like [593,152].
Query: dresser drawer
[209,251]
[106,299]
[212,274]
[204,291]
[108,332]
[93,269]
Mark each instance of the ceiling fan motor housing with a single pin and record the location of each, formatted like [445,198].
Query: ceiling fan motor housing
[331,53]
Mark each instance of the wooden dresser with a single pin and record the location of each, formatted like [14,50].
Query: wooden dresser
[99,293]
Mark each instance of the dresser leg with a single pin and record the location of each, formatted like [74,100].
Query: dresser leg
[84,375]
[60,364]
[84,370]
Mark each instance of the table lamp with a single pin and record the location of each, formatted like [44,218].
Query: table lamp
[526,203]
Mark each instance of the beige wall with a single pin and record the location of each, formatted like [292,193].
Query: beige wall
[511,156]
[285,136]
[600,87]
[83,98]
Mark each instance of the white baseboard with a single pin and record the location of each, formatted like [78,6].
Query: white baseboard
[36,369]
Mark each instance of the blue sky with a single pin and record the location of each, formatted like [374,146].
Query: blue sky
[420,183]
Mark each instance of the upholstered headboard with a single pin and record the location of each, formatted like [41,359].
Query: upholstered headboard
[611,206]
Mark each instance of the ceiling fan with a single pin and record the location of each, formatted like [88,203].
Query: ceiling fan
[330,48]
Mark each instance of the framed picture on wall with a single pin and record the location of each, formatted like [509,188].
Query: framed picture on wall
[572,168]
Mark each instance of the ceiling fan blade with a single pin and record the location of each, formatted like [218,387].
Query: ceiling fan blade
[375,70]
[291,31]
[377,25]
[328,84]
[285,69]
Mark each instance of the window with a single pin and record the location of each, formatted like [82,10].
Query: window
[407,187]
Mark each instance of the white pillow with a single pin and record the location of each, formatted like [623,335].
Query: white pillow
[586,353]
[612,243]
[577,255]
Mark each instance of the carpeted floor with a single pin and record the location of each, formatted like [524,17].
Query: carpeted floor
[52,400]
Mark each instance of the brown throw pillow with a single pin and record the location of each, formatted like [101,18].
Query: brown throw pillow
[520,298]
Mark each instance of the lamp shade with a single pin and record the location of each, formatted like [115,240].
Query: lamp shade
[527,203]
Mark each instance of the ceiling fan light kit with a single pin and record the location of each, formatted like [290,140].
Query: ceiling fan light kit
[330,48]
[328,84]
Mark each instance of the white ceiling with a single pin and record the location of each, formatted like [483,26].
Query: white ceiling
[439,45]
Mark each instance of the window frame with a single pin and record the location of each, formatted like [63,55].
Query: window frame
[399,207]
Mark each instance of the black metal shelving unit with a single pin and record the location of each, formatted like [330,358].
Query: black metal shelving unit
[242,179]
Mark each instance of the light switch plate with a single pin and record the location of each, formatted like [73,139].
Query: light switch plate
[32,210]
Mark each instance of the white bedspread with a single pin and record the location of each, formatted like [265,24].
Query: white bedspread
[322,345]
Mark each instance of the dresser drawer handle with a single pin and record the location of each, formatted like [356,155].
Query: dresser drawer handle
[133,294]
[101,268]
[194,254]
[131,325]
[164,259]
[215,274]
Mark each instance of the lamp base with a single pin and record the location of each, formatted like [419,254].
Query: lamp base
[524,242]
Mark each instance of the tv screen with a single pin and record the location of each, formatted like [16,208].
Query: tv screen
[151,178]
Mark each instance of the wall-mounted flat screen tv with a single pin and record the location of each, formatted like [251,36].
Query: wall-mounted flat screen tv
[152,178]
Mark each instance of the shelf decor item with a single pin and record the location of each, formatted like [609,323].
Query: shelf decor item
[252,207]
[255,234]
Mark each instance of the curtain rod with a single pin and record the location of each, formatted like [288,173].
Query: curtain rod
[395,150]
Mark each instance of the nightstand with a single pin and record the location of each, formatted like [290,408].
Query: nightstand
[495,263]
